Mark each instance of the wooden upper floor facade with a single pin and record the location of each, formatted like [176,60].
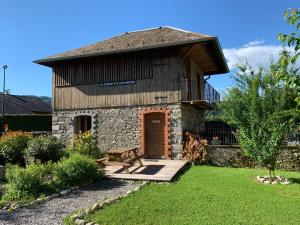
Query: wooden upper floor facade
[155,66]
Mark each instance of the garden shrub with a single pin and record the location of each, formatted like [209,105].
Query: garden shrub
[31,181]
[85,144]
[28,122]
[2,160]
[76,170]
[43,149]
[12,145]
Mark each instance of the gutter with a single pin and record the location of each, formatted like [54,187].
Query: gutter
[206,79]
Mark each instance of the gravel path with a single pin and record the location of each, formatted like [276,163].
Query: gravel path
[53,211]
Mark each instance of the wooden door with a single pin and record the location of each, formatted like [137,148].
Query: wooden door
[155,135]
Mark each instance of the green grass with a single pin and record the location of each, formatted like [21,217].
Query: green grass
[209,195]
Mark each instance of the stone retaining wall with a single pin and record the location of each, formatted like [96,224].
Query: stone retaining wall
[231,155]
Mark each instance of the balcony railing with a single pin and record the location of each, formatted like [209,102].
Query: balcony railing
[210,94]
[192,92]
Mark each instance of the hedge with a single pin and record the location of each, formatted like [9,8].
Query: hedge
[28,122]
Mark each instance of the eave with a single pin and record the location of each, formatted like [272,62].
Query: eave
[51,62]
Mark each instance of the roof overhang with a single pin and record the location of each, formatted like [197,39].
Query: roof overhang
[51,62]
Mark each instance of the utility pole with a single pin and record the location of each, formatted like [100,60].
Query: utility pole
[3,98]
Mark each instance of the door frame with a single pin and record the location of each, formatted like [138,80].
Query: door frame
[166,113]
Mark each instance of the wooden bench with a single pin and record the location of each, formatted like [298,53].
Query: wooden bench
[128,163]
[101,162]
[119,160]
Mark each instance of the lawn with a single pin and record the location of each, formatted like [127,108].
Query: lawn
[209,195]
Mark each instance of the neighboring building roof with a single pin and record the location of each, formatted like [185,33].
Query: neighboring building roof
[136,40]
[23,105]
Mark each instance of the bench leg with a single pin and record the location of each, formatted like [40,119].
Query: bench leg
[140,162]
[138,158]
[126,169]
[101,164]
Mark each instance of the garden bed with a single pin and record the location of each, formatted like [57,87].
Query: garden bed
[37,168]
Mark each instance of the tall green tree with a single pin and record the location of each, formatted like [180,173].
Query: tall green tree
[292,16]
[262,110]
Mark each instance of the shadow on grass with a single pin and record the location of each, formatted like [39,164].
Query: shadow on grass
[294,180]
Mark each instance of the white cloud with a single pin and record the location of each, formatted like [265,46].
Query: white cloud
[253,43]
[254,53]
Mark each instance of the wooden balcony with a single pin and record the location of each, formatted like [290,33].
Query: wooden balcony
[206,99]
[199,104]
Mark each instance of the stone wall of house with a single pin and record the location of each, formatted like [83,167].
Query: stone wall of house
[192,118]
[231,155]
[63,123]
[176,131]
[117,127]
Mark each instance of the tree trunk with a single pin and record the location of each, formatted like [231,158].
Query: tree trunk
[270,175]
[271,168]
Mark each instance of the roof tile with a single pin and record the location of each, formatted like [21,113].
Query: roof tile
[150,38]
[19,104]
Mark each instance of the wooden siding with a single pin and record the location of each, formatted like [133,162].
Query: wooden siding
[122,67]
[163,86]
[197,81]
[111,68]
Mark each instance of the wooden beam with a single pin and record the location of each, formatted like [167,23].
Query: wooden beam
[200,104]
[188,52]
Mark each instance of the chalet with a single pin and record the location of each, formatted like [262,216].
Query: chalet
[141,88]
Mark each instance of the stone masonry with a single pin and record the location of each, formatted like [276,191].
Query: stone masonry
[192,119]
[232,156]
[120,127]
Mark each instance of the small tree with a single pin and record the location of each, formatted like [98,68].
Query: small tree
[292,17]
[262,110]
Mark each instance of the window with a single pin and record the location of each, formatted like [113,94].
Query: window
[83,124]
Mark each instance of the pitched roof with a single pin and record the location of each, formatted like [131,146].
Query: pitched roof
[131,41]
[23,105]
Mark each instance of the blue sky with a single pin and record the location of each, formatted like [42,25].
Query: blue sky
[33,29]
